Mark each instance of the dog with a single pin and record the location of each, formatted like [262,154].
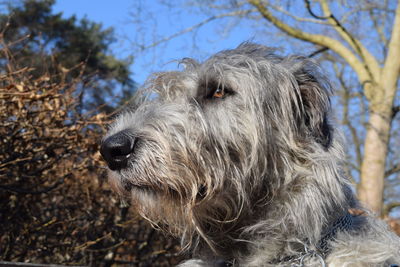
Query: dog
[238,156]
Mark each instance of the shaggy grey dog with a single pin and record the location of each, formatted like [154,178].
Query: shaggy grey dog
[237,156]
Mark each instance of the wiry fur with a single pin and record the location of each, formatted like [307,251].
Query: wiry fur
[249,178]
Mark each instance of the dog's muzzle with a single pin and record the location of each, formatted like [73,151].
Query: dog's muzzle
[117,149]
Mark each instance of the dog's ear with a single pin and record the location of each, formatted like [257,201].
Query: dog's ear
[314,93]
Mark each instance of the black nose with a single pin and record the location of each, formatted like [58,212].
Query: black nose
[117,149]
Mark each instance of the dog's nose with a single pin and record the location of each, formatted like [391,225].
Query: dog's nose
[117,149]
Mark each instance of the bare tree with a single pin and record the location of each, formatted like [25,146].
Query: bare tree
[365,36]
[379,85]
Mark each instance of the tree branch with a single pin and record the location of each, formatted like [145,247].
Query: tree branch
[393,170]
[318,39]
[379,29]
[27,191]
[395,110]
[370,63]
[391,68]
[319,51]
[309,9]
[345,119]
[300,19]
[198,25]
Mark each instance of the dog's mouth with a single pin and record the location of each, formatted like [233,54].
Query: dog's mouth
[129,186]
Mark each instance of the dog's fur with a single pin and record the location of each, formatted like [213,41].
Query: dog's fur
[239,158]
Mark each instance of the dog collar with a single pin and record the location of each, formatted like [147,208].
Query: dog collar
[342,224]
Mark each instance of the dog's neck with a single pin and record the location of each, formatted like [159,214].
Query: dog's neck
[319,250]
[271,229]
[322,249]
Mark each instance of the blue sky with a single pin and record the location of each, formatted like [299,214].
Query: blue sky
[119,14]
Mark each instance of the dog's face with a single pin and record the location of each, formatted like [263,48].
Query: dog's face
[203,145]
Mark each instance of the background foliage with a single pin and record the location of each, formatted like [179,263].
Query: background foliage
[55,203]
[49,43]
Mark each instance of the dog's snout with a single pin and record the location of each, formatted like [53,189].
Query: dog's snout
[117,149]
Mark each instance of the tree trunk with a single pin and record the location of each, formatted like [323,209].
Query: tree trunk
[371,186]
[381,97]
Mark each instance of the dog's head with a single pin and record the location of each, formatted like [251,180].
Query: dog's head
[203,147]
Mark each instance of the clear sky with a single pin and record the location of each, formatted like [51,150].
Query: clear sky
[120,14]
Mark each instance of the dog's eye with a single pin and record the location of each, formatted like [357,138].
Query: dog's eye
[219,93]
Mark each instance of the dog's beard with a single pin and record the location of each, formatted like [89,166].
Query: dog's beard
[158,203]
